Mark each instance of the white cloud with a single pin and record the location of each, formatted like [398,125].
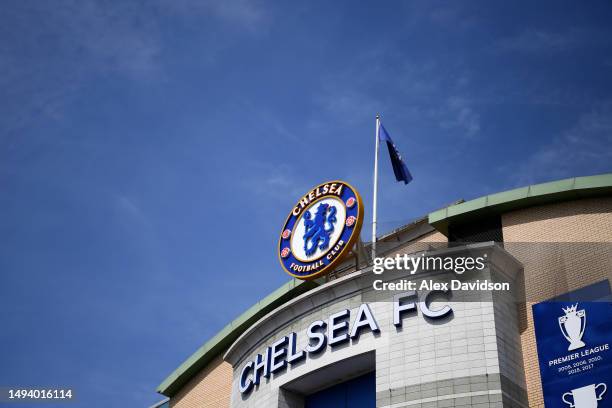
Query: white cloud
[279,181]
[382,81]
[242,14]
[539,40]
[545,41]
[48,50]
[459,114]
[348,107]
[245,12]
[110,36]
[582,150]
[127,206]
[54,47]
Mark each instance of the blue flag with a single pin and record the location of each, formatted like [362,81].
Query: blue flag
[399,167]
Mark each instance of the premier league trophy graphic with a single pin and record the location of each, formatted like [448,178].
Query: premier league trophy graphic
[585,397]
[572,326]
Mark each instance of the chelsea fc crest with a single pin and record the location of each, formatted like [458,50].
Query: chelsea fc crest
[320,230]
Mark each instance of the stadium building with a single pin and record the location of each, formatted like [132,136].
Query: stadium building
[336,342]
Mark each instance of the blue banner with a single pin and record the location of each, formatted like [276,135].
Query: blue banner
[574,341]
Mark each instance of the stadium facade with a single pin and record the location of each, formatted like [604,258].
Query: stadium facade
[336,342]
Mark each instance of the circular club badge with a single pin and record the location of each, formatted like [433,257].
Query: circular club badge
[320,230]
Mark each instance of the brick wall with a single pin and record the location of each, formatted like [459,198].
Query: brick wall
[210,388]
[563,247]
[560,246]
[434,236]
[431,241]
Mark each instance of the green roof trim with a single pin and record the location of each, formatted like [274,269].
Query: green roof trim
[555,191]
[222,340]
[537,194]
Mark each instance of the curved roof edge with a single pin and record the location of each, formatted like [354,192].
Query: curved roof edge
[537,194]
[577,187]
[223,339]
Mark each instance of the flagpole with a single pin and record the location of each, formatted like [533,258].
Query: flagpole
[375,189]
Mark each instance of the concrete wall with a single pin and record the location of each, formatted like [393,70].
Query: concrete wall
[211,388]
[563,247]
[460,360]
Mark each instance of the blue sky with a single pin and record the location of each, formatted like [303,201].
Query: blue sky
[150,152]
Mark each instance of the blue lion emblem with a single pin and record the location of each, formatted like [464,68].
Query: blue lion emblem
[319,229]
